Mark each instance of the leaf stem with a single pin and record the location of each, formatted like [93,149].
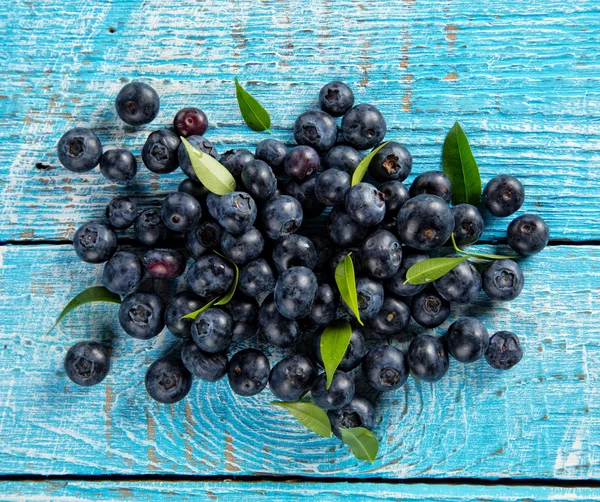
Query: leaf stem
[481,256]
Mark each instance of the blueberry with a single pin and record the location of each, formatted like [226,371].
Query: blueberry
[210,275]
[292,377]
[295,292]
[180,212]
[504,350]
[339,394]
[305,193]
[363,127]
[206,236]
[137,104]
[343,230]
[281,215]
[180,305]
[257,278]
[244,314]
[276,329]
[389,224]
[235,160]
[79,150]
[467,340]
[370,297]
[528,234]
[259,180]
[428,358]
[294,250]
[243,248]
[425,222]
[236,212]
[429,309]
[204,365]
[357,413]
[357,348]
[160,151]
[392,162]
[87,363]
[168,380]
[163,263]
[122,273]
[121,213]
[365,204]
[324,307]
[316,129]
[331,187]
[301,162]
[432,183]
[461,285]
[396,195]
[468,224]
[273,152]
[336,98]
[193,188]
[199,143]
[248,372]
[141,315]
[118,165]
[190,121]
[324,248]
[340,254]
[149,228]
[381,254]
[212,330]
[212,204]
[385,368]
[397,283]
[503,195]
[342,157]
[503,280]
[392,318]
[95,242]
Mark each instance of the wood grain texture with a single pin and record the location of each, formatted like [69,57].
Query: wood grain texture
[539,420]
[523,78]
[84,491]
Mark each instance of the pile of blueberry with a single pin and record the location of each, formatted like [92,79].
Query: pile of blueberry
[286,293]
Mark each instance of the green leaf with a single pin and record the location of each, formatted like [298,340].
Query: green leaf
[362,167]
[309,415]
[196,313]
[93,294]
[362,442]
[482,255]
[461,168]
[334,343]
[227,298]
[211,173]
[346,283]
[255,116]
[429,270]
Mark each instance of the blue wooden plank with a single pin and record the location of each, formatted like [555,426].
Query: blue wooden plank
[541,419]
[85,491]
[523,79]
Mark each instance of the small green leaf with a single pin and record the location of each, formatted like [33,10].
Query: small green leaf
[346,283]
[211,173]
[429,270]
[482,255]
[362,442]
[461,168]
[309,415]
[362,167]
[334,343]
[255,116]
[227,298]
[196,313]
[93,294]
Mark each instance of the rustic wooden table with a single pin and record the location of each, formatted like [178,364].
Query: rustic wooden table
[524,80]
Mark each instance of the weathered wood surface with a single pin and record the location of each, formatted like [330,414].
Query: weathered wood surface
[539,420]
[85,491]
[522,77]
